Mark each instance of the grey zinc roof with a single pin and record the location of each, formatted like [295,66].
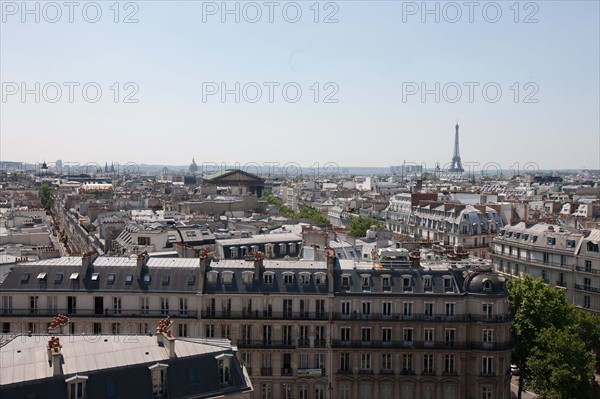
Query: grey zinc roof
[25,358]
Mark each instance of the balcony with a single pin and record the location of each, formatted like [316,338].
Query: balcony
[345,371]
[266,371]
[587,270]
[430,345]
[109,313]
[386,372]
[303,343]
[587,288]
[320,343]
[287,371]
[421,317]
[260,314]
[272,344]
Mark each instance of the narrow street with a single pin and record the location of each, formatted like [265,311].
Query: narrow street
[514,387]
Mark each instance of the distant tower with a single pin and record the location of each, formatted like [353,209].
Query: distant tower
[456,162]
[193,167]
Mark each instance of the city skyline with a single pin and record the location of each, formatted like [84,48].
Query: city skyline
[393,69]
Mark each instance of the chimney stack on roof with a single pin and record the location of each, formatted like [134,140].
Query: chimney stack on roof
[54,349]
[88,258]
[141,262]
[331,260]
[258,265]
[164,337]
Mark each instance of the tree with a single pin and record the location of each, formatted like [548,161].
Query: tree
[359,226]
[560,366]
[45,194]
[536,307]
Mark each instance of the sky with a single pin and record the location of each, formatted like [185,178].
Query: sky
[351,83]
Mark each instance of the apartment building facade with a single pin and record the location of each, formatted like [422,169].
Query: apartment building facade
[562,258]
[391,328]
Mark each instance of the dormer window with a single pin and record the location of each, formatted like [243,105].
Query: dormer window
[247,277]
[159,380]
[427,283]
[345,282]
[447,283]
[211,276]
[58,278]
[191,279]
[487,285]
[110,279]
[282,249]
[570,243]
[234,252]
[304,278]
[288,278]
[592,246]
[525,237]
[74,276]
[365,282]
[292,248]
[268,277]
[227,277]
[534,238]
[146,279]
[128,279]
[95,276]
[76,386]
[406,286]
[517,236]
[320,278]
[165,279]
[551,241]
[386,282]
[41,276]
[509,234]
[224,364]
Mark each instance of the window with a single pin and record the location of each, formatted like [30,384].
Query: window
[182,330]
[449,309]
[165,279]
[344,389]
[586,301]
[144,305]
[406,283]
[303,391]
[286,391]
[319,360]
[210,331]
[386,309]
[386,361]
[319,308]
[292,248]
[286,334]
[267,334]
[76,387]
[320,336]
[588,266]
[288,278]
[450,335]
[247,361]
[551,241]
[449,364]
[408,336]
[447,284]
[488,338]
[345,282]
[303,360]
[24,278]
[365,362]
[386,283]
[146,279]
[486,393]
[268,278]
[52,305]
[365,282]
[592,246]
[428,309]
[159,378]
[110,279]
[233,252]
[345,362]
[408,309]
[128,279]
[366,309]
[487,364]
[246,333]
[427,283]
[115,328]
[227,277]
[143,240]
[58,278]
[407,363]
[428,335]
[144,328]
[224,361]
[164,306]
[386,334]
[487,311]
[33,304]
[190,279]
[345,334]
[320,278]
[487,285]
[247,277]
[366,334]
[116,305]
[97,328]
[346,308]
[304,278]
[42,276]
[287,308]
[183,307]
[428,364]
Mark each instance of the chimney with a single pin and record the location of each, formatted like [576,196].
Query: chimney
[258,265]
[331,260]
[88,258]
[204,264]
[164,337]
[54,349]
[141,262]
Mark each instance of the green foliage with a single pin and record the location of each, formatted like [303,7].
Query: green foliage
[542,314]
[45,194]
[560,366]
[359,226]
[305,213]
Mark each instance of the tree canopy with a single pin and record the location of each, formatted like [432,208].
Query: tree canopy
[305,213]
[359,226]
[545,328]
[45,194]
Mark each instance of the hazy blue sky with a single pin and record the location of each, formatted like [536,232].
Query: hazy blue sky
[374,61]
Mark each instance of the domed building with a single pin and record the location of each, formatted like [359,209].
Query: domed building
[193,167]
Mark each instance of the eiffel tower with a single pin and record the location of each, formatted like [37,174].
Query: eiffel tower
[456,162]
